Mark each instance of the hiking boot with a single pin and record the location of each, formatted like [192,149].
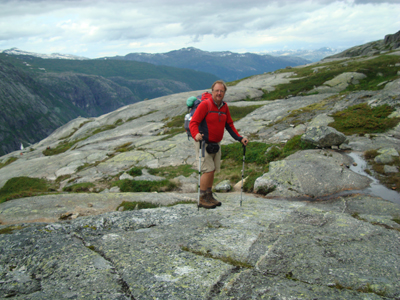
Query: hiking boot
[212,200]
[205,202]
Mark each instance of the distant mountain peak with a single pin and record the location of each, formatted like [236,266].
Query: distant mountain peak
[16,51]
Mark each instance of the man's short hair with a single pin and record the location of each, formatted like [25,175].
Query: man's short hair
[221,82]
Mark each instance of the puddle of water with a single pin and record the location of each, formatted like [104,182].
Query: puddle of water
[375,188]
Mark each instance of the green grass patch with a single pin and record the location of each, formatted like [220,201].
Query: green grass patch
[257,158]
[145,186]
[10,229]
[20,187]
[377,70]
[62,147]
[135,205]
[79,187]
[104,128]
[175,125]
[135,171]
[8,161]
[176,121]
[173,171]
[238,113]
[124,147]
[362,119]
[371,154]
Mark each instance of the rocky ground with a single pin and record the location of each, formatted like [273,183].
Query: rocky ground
[317,235]
[342,248]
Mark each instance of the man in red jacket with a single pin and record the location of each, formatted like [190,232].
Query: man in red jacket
[208,123]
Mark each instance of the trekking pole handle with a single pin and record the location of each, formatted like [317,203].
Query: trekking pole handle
[203,151]
[244,150]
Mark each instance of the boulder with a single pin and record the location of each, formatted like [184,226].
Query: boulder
[384,159]
[310,173]
[223,186]
[390,169]
[323,136]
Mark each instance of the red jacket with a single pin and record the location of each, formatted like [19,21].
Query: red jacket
[211,121]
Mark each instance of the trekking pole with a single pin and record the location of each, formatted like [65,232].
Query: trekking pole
[244,157]
[200,155]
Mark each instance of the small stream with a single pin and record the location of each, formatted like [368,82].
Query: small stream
[375,188]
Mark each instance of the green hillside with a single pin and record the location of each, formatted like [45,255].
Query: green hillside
[129,70]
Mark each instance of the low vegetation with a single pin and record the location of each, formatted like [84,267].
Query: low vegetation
[378,70]
[257,158]
[60,148]
[83,187]
[390,180]
[363,119]
[135,205]
[7,162]
[136,186]
[20,187]
[10,229]
[173,171]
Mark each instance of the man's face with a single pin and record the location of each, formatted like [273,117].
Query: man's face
[218,92]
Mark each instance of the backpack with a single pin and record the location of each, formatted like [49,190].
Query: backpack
[192,103]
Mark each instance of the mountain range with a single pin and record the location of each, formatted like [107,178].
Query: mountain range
[226,65]
[39,95]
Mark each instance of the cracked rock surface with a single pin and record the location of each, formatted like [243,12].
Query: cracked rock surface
[342,248]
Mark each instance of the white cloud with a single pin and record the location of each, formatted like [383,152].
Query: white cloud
[93,27]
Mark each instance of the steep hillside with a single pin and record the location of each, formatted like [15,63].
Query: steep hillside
[51,92]
[129,70]
[28,111]
[226,65]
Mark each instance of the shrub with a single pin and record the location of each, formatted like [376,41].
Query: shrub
[127,185]
[79,187]
[371,154]
[19,187]
[361,119]
[135,172]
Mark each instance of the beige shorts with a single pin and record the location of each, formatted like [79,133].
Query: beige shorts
[210,162]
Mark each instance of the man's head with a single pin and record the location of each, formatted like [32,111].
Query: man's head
[218,90]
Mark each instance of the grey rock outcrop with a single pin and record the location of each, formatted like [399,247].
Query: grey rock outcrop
[323,136]
[311,173]
[265,248]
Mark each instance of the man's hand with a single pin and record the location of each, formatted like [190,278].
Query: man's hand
[244,141]
[198,137]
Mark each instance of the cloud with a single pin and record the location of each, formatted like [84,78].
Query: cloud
[91,27]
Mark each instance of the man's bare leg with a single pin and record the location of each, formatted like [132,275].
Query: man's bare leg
[206,180]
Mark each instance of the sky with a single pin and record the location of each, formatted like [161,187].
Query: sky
[99,28]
